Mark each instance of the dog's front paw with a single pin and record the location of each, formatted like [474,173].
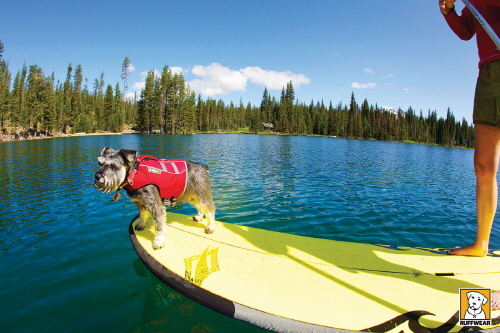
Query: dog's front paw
[159,242]
[198,218]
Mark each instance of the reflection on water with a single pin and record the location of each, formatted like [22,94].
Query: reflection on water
[65,245]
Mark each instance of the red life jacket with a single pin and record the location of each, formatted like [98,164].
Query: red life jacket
[168,175]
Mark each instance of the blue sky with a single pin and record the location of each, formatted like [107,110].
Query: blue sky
[393,53]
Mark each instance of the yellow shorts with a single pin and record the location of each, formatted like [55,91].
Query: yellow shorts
[487,96]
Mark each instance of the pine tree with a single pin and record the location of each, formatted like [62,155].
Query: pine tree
[241,116]
[282,112]
[187,112]
[352,125]
[146,105]
[117,119]
[165,94]
[99,102]
[450,130]
[256,115]
[267,109]
[290,106]
[109,106]
[66,111]
[177,95]
[366,120]
[18,98]
[101,83]
[126,67]
[34,98]
[49,122]
[4,92]
[202,115]
[76,96]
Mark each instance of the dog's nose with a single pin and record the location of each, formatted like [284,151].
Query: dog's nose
[99,177]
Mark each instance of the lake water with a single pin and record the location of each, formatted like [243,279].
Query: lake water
[67,264]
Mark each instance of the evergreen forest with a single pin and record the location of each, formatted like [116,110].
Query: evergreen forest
[32,102]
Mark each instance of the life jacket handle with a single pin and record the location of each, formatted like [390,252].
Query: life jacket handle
[146,157]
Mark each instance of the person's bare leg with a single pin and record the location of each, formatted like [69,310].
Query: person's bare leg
[495,300]
[486,158]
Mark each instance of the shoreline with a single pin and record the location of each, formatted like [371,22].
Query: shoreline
[12,137]
[39,136]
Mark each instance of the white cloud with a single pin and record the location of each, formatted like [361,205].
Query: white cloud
[390,75]
[273,80]
[216,79]
[357,85]
[130,68]
[139,85]
[368,71]
[176,70]
[406,90]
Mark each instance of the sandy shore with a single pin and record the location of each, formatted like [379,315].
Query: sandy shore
[38,136]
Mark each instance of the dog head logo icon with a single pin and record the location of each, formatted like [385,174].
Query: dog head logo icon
[475,307]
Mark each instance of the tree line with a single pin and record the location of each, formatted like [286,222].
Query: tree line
[361,121]
[37,102]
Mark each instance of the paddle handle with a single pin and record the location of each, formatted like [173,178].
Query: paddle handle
[483,22]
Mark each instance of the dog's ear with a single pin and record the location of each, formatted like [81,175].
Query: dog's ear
[104,151]
[129,155]
[102,155]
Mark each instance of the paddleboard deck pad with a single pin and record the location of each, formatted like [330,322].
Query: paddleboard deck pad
[289,283]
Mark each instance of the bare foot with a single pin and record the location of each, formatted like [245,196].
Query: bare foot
[469,250]
[495,300]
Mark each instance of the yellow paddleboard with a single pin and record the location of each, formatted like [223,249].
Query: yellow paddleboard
[289,283]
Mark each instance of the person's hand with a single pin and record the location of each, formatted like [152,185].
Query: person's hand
[446,6]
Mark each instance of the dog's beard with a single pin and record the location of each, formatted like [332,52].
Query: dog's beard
[110,182]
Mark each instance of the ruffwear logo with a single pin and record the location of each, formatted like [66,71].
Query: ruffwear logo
[475,307]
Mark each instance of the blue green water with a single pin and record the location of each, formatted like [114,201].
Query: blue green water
[67,264]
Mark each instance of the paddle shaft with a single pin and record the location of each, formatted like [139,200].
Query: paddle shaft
[483,22]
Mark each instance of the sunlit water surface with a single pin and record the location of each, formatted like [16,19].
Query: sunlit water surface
[67,264]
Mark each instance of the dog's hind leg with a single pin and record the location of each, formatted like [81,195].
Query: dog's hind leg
[200,215]
[204,210]
[211,222]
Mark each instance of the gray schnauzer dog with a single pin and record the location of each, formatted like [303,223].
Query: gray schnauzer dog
[138,176]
